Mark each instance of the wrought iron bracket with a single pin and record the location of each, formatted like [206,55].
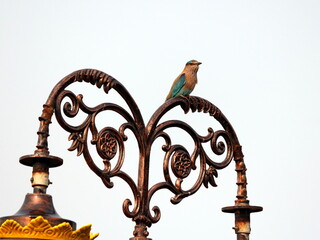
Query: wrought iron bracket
[110,146]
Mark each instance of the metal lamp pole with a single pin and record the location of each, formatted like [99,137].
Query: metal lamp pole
[110,146]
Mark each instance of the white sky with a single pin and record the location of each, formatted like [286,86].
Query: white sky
[260,67]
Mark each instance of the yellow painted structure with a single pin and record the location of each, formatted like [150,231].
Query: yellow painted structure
[39,228]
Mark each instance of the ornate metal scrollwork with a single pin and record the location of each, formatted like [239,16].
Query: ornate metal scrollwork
[109,143]
[181,163]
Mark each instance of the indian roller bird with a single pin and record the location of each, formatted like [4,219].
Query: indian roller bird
[186,80]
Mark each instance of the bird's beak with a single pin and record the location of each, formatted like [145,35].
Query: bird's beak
[199,63]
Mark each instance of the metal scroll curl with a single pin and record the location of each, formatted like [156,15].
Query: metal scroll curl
[178,160]
[109,142]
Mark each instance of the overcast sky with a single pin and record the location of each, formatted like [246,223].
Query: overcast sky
[260,67]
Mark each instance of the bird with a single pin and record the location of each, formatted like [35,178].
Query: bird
[186,80]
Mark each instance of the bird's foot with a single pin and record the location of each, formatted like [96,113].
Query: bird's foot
[185,96]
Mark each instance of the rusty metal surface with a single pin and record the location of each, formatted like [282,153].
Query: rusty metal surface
[110,146]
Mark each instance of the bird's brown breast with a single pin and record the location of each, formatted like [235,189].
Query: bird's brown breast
[191,80]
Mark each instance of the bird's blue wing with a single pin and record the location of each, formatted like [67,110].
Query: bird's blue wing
[180,83]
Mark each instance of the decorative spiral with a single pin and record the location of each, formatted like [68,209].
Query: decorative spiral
[219,148]
[176,156]
[71,110]
[157,214]
[108,141]
[125,208]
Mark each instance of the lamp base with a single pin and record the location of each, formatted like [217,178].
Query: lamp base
[34,205]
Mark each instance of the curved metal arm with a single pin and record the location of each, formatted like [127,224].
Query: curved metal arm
[110,144]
